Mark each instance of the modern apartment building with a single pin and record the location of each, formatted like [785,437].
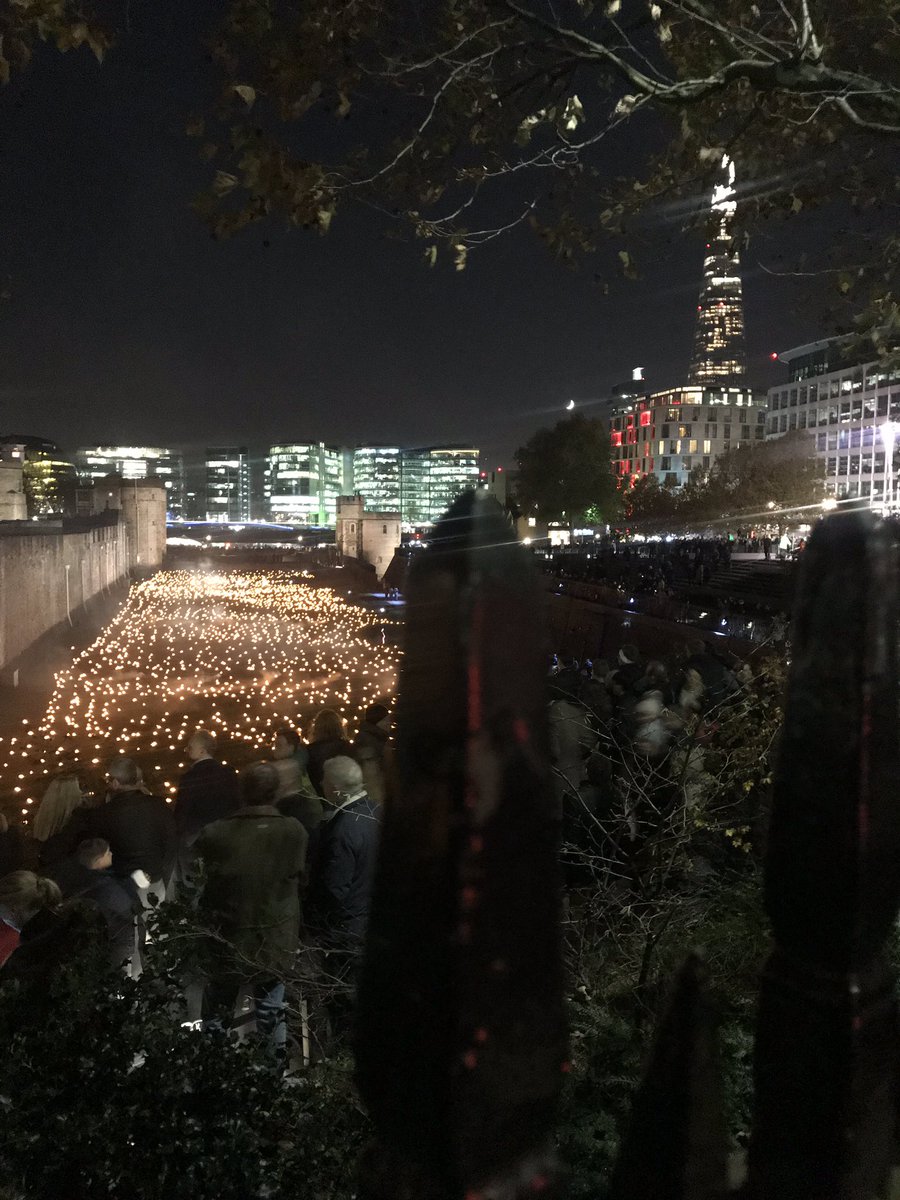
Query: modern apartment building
[304,480]
[376,477]
[135,462]
[852,412]
[227,484]
[669,434]
[420,483]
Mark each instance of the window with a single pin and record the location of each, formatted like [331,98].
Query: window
[821,440]
[761,417]
[782,423]
[686,462]
[831,466]
[693,445]
[801,421]
[792,423]
[883,404]
[845,412]
[856,409]
[706,461]
[707,447]
[793,397]
[665,464]
[666,432]
[684,430]
[352,527]
[726,431]
[384,529]
[760,433]
[745,431]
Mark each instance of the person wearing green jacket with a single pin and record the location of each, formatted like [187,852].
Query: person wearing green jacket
[254,862]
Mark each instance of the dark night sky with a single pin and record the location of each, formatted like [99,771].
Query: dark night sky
[127,323]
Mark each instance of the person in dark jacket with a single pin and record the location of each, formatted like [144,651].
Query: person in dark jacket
[88,875]
[254,861]
[296,796]
[12,847]
[139,828]
[326,741]
[372,750]
[208,791]
[345,871]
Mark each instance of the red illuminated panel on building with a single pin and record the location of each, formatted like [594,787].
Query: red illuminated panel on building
[632,437]
[645,418]
[616,438]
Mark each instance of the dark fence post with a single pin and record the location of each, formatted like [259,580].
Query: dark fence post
[676,1147]
[461,1041]
[826,1047]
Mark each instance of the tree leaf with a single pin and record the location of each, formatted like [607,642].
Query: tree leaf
[246,93]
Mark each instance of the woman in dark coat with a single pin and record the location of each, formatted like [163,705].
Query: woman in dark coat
[326,740]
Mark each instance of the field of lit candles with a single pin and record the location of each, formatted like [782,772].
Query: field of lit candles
[240,653]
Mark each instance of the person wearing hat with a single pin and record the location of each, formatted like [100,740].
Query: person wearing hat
[372,750]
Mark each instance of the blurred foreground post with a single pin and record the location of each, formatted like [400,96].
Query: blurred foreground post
[461,1041]
[826,1044]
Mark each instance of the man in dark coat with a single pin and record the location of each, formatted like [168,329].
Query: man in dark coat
[250,902]
[347,854]
[88,875]
[372,750]
[139,828]
[208,791]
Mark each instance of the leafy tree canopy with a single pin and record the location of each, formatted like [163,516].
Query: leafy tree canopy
[468,117]
[564,472]
[26,23]
[753,481]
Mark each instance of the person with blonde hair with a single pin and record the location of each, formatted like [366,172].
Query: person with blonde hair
[50,933]
[60,821]
[326,740]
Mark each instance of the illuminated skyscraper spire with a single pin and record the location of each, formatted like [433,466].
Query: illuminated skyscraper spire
[719,338]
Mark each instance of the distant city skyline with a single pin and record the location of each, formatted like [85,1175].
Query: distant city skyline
[127,323]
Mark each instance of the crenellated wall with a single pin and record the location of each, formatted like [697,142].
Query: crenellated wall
[48,572]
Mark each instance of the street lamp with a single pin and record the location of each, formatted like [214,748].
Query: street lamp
[889,431]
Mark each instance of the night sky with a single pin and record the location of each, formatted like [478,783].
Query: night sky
[127,323]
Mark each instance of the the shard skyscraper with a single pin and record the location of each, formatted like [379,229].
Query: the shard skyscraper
[719,357]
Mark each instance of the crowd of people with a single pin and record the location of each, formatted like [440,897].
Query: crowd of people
[278,858]
[628,743]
